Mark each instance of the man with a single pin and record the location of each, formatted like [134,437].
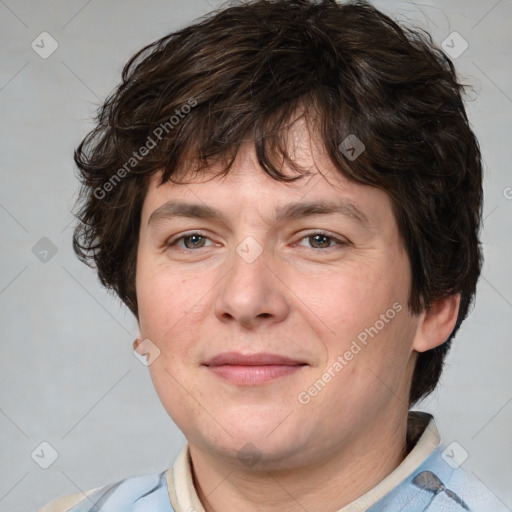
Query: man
[287,195]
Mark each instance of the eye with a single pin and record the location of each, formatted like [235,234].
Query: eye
[190,241]
[322,240]
[197,240]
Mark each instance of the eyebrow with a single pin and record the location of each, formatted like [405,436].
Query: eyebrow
[293,211]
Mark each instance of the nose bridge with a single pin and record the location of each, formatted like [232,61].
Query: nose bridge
[250,291]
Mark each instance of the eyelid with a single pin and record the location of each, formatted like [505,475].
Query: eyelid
[334,238]
[339,242]
[172,241]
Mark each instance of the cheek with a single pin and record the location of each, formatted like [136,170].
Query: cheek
[168,300]
[178,394]
[348,300]
[361,315]
[169,308]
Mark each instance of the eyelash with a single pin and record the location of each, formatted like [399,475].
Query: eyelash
[309,235]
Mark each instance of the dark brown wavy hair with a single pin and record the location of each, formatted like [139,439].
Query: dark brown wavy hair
[241,73]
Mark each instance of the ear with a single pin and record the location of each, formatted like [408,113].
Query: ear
[137,341]
[437,323]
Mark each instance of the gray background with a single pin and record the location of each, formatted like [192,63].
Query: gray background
[67,372]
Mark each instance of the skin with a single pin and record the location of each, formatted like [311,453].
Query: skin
[303,297]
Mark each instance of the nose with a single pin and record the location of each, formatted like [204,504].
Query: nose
[252,294]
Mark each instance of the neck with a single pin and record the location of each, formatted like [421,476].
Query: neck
[328,484]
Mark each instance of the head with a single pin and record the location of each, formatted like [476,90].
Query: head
[317,102]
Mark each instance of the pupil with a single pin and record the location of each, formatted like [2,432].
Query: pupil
[194,239]
[317,239]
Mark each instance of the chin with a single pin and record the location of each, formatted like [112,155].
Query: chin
[256,446]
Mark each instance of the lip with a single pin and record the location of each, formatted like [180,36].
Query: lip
[261,359]
[252,369]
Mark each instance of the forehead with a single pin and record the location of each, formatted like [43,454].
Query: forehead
[246,187]
[247,194]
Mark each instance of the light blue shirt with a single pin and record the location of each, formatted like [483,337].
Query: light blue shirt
[433,487]
[424,481]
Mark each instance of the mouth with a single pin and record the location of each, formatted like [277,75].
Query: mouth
[252,369]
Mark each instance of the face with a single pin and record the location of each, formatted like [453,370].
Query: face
[277,324]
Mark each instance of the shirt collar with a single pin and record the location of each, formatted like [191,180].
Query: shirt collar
[422,439]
